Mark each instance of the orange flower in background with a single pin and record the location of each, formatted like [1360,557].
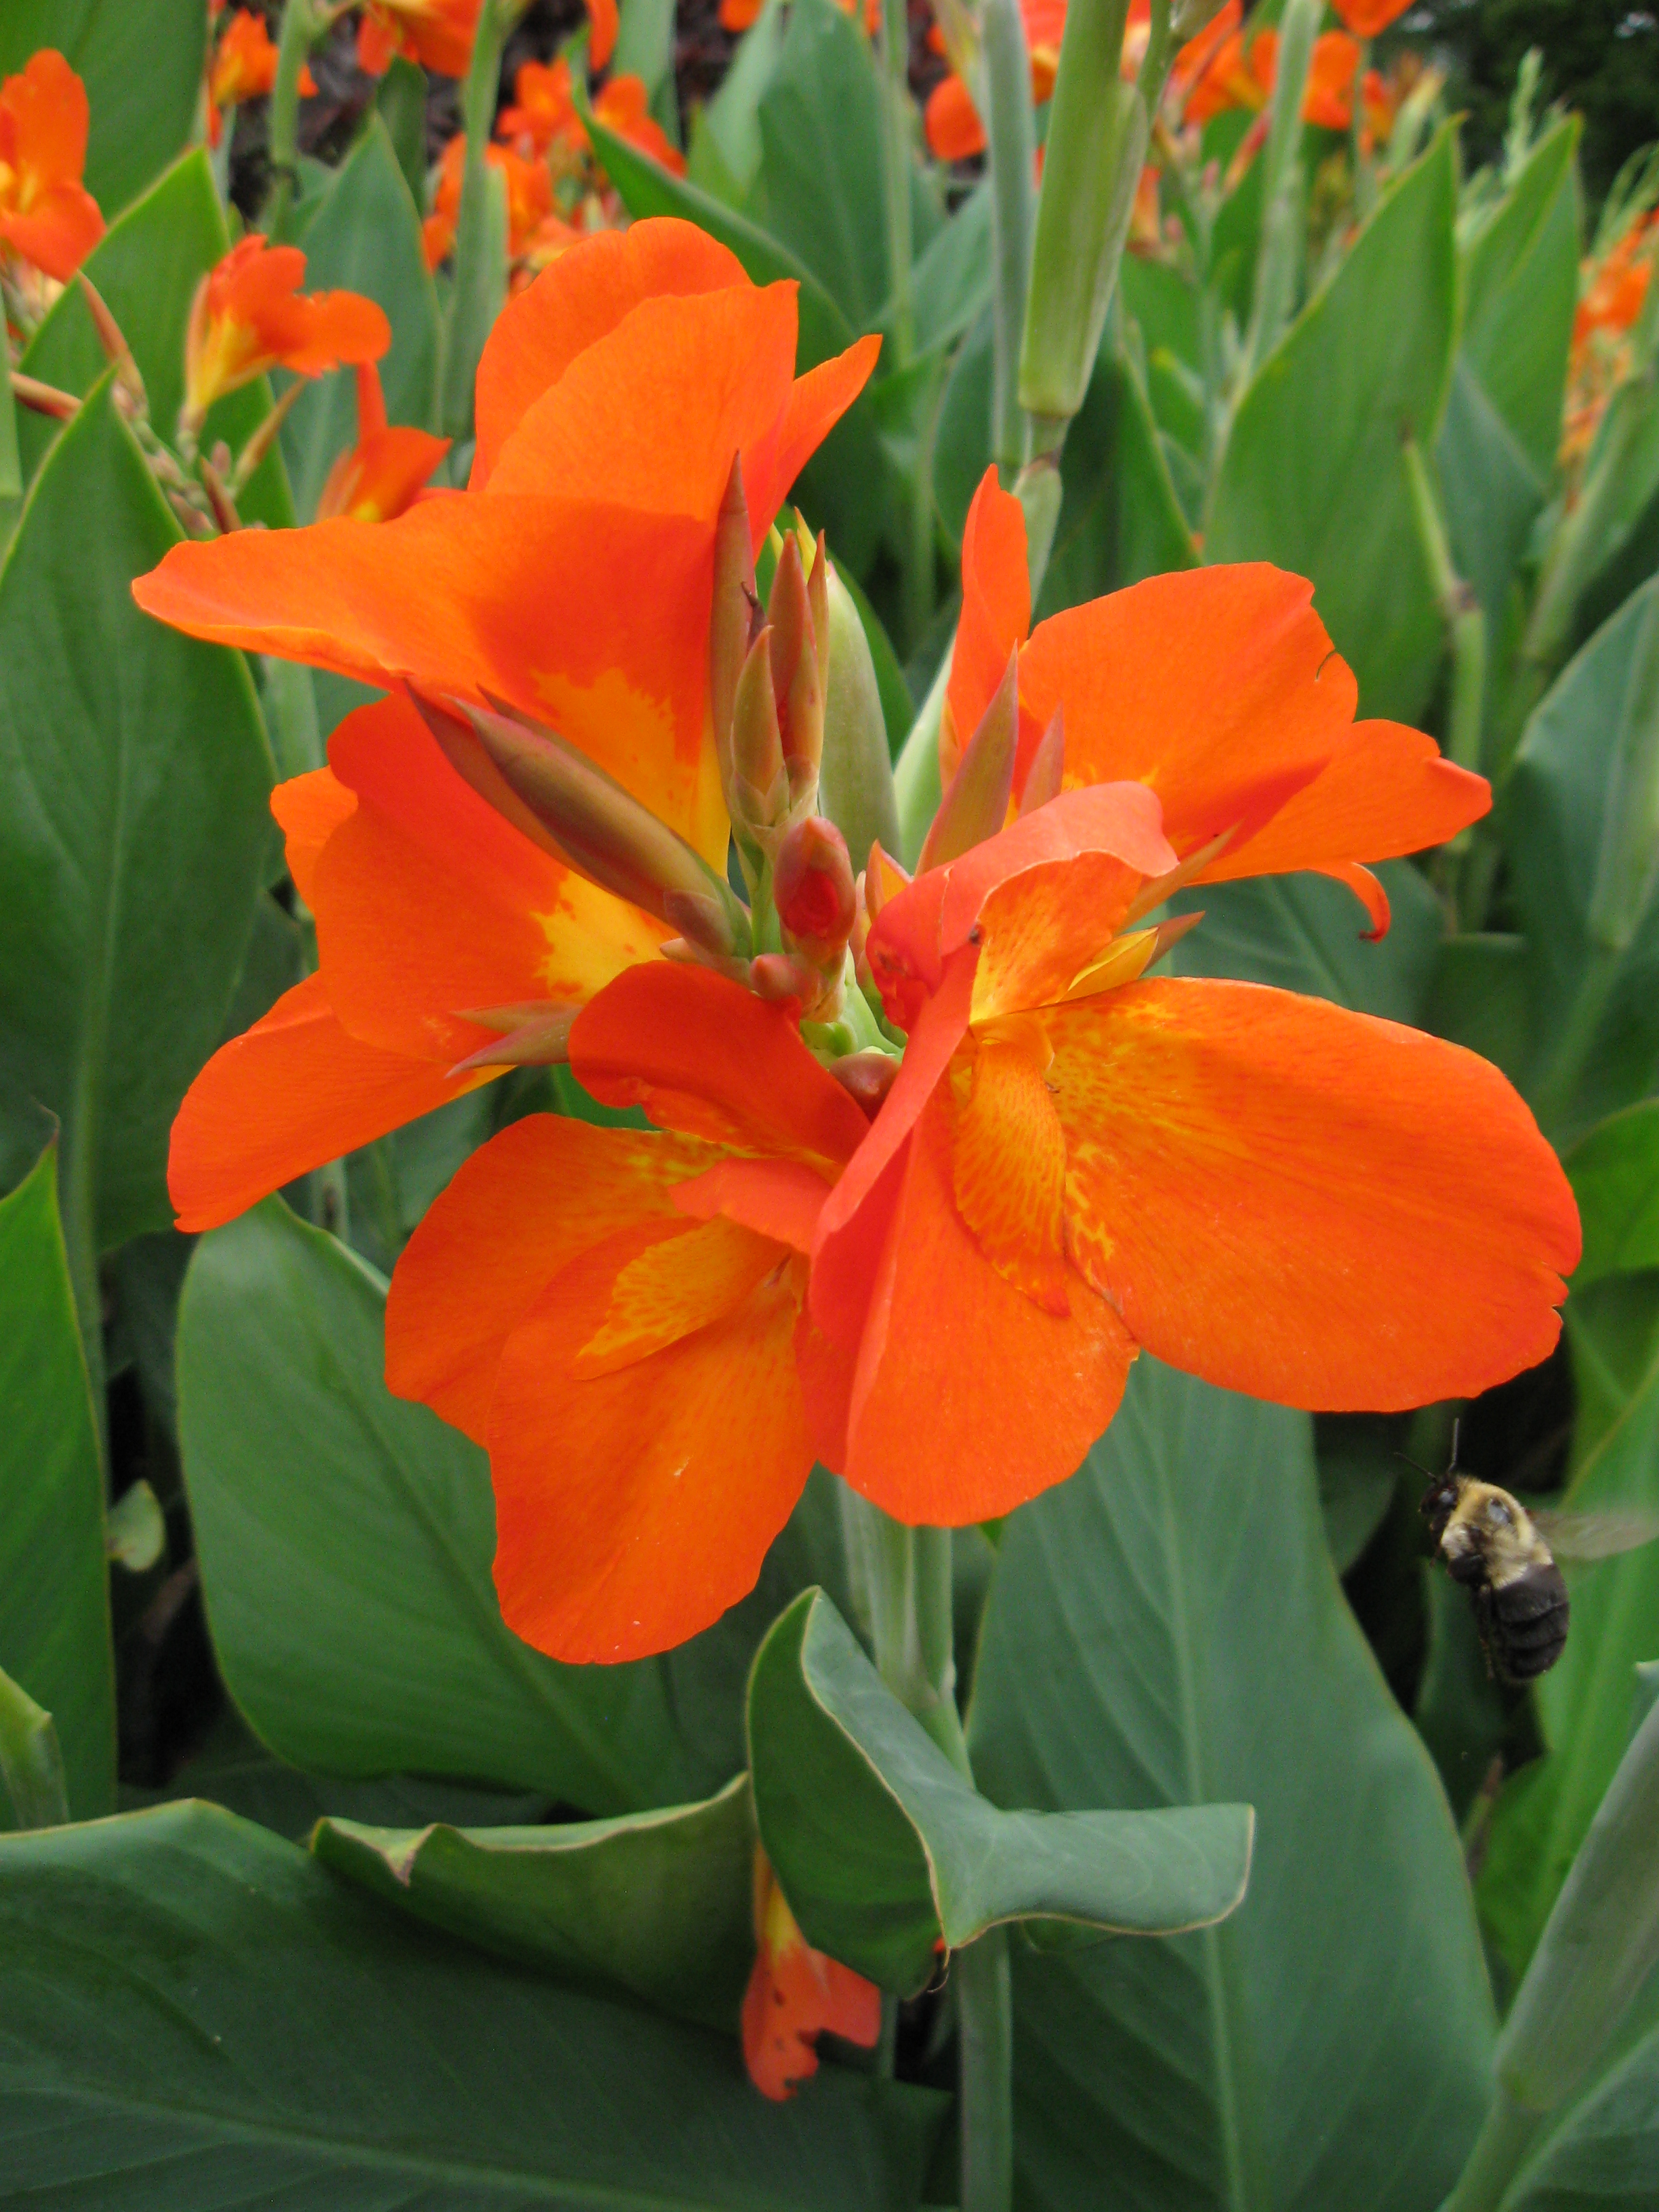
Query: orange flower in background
[951,121]
[1286,1198]
[244,67]
[1366,18]
[529,199]
[1612,293]
[623,107]
[542,108]
[249,315]
[604,21]
[437,33]
[1242,70]
[796,1994]
[47,216]
[618,1315]
[384,473]
[571,581]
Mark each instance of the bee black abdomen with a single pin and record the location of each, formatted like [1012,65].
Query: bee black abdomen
[1527,1623]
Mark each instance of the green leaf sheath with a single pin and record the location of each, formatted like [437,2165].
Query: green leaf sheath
[884,1849]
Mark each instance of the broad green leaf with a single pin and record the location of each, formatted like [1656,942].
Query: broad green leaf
[400,103]
[1163,303]
[883,1848]
[1119,517]
[951,282]
[820,124]
[1607,2155]
[195,2014]
[306,1476]
[1165,1629]
[1477,997]
[1612,1335]
[133,780]
[962,448]
[32,1791]
[1461,1712]
[1614,1173]
[366,237]
[644,42]
[141,61]
[1305,933]
[392,1182]
[731,117]
[1313,477]
[54,1608]
[1595,1013]
[147,267]
[1520,292]
[659,1905]
[1544,1811]
[11,466]
[1358,1460]
[648,188]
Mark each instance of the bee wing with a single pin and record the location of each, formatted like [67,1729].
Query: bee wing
[1596,1535]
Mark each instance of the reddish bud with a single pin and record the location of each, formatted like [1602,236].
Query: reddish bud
[817,899]
[869,1076]
[797,683]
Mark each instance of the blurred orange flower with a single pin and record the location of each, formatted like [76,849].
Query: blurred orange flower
[622,107]
[795,1995]
[243,67]
[542,108]
[1279,1195]
[529,199]
[438,34]
[1612,291]
[571,580]
[1366,18]
[1242,72]
[618,1315]
[384,473]
[46,215]
[249,316]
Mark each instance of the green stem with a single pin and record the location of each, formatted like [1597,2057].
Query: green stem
[299,32]
[1364,169]
[896,177]
[1465,624]
[480,271]
[1551,1096]
[985,2110]
[1500,2150]
[1281,184]
[1011,140]
[915,772]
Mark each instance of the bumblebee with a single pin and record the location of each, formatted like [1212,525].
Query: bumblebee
[1492,1544]
[1504,1557]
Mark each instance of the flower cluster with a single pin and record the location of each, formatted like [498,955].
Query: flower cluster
[1613,292]
[929,1158]
[48,219]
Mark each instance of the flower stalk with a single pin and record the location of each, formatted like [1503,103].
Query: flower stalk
[1011,139]
[1280,250]
[480,224]
[303,23]
[1465,624]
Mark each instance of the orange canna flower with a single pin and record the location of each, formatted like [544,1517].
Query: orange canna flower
[1612,293]
[249,315]
[604,21]
[954,130]
[1242,72]
[542,108]
[440,922]
[618,1315]
[622,108]
[736,16]
[1366,18]
[529,199]
[47,216]
[437,33]
[1074,1161]
[244,67]
[384,473]
[795,1995]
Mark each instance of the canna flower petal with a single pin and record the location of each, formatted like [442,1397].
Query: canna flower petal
[295,1092]
[796,1994]
[535,1197]
[249,316]
[635,1505]
[703,1055]
[955,132]
[437,33]
[995,618]
[46,214]
[541,332]
[429,902]
[1305,1203]
[623,106]
[384,471]
[1366,19]
[604,21]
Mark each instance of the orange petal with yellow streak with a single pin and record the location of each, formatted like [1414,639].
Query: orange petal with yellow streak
[535,601]
[1217,687]
[996,604]
[633,1508]
[702,1055]
[295,1092]
[1008,1166]
[969,1398]
[672,1280]
[533,1199]
[428,903]
[1305,1203]
[576,302]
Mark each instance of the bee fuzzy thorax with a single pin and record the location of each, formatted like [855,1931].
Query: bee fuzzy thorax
[1491,1545]
[1488,1525]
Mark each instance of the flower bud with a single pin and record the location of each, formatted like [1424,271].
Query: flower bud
[757,793]
[1047,772]
[976,805]
[781,977]
[733,619]
[813,887]
[856,773]
[869,1076]
[797,683]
